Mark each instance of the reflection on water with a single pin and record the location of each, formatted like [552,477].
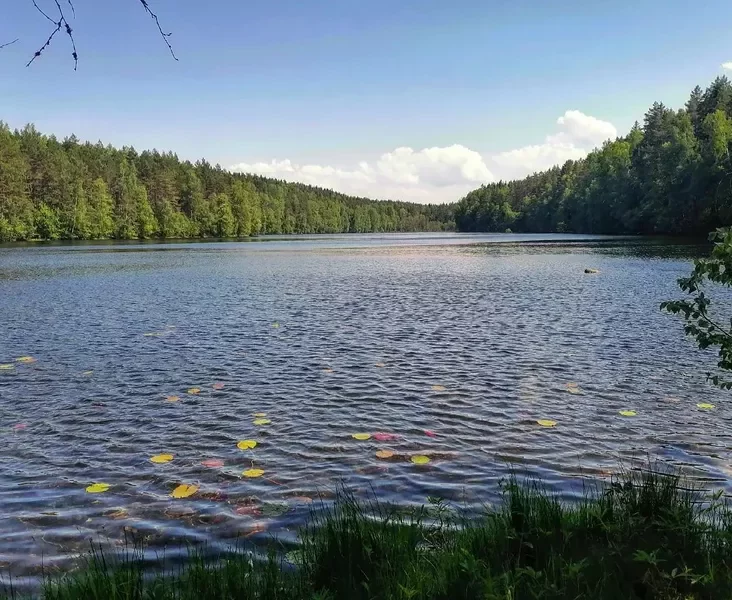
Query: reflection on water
[447,350]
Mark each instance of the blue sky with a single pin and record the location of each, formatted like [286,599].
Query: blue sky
[349,94]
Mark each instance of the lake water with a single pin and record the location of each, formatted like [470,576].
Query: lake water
[454,344]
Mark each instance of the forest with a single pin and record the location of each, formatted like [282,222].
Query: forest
[51,189]
[670,175]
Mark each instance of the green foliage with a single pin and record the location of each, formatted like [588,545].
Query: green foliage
[51,189]
[643,536]
[673,174]
[702,323]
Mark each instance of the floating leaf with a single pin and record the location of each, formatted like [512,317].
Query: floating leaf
[628,413]
[262,421]
[430,433]
[260,415]
[98,488]
[184,490]
[546,423]
[246,444]
[88,373]
[117,513]
[161,458]
[276,325]
[705,406]
[328,370]
[571,384]
[379,365]
[172,398]
[253,473]
[7,367]
[385,437]
[25,359]
[20,426]
[573,390]
[213,463]
[218,386]
[361,436]
[194,391]
[274,509]
[420,459]
[439,388]
[384,454]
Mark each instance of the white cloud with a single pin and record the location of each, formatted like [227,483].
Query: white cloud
[727,65]
[444,174]
[578,134]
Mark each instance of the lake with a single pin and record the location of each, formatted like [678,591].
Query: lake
[444,346]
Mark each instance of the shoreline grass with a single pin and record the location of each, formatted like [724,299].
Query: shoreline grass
[646,535]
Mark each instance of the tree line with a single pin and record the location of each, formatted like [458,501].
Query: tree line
[672,174]
[51,189]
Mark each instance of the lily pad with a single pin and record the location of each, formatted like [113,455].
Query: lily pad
[705,406]
[546,423]
[98,488]
[184,490]
[213,463]
[573,390]
[251,473]
[572,384]
[420,459]
[25,359]
[361,436]
[172,398]
[161,458]
[439,388]
[7,367]
[262,421]
[384,454]
[246,445]
[194,391]
[88,373]
[628,413]
[276,325]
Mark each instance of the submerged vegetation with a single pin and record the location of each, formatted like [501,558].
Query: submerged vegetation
[645,535]
[52,189]
[672,174]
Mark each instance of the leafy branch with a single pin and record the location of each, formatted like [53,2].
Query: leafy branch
[706,330]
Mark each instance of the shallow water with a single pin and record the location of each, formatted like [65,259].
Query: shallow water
[470,337]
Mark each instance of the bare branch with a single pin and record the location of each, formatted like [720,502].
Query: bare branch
[62,23]
[8,43]
[164,35]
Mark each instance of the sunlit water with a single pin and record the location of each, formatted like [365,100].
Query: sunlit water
[470,338]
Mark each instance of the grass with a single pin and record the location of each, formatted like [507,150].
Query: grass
[646,536]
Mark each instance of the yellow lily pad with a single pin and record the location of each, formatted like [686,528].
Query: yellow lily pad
[25,359]
[194,391]
[439,388]
[246,445]
[705,406]
[628,413]
[546,423]
[6,367]
[251,473]
[384,454]
[161,458]
[260,415]
[262,421]
[420,459]
[184,491]
[172,398]
[97,488]
[361,436]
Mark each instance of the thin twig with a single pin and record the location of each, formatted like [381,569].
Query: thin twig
[164,35]
[8,43]
[62,23]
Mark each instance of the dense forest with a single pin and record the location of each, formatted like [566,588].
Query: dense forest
[51,189]
[673,174]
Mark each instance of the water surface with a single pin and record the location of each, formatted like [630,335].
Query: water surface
[470,337]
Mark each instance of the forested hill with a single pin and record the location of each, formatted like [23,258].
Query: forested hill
[672,175]
[51,189]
